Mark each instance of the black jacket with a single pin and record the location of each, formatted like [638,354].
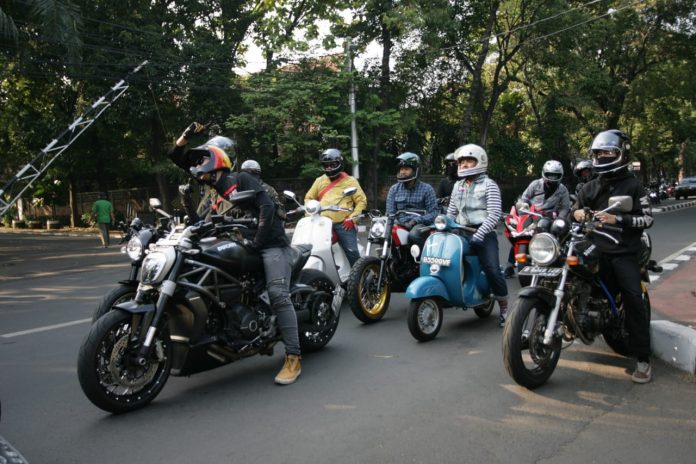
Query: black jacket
[595,195]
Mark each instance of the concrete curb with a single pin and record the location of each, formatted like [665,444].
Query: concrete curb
[675,344]
[663,209]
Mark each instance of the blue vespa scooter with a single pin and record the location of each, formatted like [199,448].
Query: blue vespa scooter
[449,276]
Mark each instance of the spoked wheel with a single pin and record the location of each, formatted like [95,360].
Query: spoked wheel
[424,318]
[485,310]
[118,295]
[616,335]
[528,361]
[319,326]
[107,369]
[368,300]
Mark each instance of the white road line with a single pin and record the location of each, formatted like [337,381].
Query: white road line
[677,253]
[682,258]
[45,328]
[669,266]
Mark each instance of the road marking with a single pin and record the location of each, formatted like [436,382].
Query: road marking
[669,266]
[677,253]
[45,328]
[683,258]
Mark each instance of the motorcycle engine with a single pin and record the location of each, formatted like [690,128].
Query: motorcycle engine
[243,322]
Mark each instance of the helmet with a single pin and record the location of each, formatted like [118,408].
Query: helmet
[252,167]
[471,151]
[214,156]
[552,171]
[450,159]
[617,144]
[582,166]
[332,162]
[410,160]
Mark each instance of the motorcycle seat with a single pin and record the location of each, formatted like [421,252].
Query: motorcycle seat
[300,256]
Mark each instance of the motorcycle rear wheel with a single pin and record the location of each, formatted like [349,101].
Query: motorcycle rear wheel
[317,329]
[528,361]
[368,303]
[118,295]
[616,336]
[106,367]
[424,318]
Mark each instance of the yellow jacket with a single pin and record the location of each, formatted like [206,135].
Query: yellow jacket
[357,202]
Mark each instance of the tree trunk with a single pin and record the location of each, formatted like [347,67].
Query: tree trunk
[72,200]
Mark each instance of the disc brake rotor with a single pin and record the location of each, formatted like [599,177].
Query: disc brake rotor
[125,376]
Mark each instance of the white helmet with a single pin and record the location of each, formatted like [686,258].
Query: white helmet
[252,167]
[552,171]
[471,151]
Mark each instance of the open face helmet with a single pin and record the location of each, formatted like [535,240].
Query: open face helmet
[252,167]
[410,160]
[332,162]
[552,171]
[610,151]
[475,152]
[216,155]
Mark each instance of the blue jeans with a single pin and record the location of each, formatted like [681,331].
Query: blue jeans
[277,266]
[348,239]
[490,262]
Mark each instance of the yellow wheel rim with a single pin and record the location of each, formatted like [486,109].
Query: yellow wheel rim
[372,302]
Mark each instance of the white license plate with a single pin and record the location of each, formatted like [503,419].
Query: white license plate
[339,293]
[541,271]
[434,260]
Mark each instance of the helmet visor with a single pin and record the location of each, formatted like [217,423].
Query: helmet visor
[553,176]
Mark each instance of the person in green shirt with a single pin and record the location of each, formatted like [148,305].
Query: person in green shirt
[103,214]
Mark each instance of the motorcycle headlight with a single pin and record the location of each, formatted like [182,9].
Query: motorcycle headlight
[312,207]
[153,269]
[440,222]
[377,229]
[543,249]
[134,248]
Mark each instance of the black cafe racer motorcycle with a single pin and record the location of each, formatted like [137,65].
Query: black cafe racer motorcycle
[201,303]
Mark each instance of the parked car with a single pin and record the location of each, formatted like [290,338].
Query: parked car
[685,188]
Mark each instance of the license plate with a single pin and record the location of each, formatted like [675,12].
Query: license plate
[541,271]
[434,260]
[339,292]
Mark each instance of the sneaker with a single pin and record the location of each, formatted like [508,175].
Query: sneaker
[509,272]
[643,373]
[503,313]
[290,371]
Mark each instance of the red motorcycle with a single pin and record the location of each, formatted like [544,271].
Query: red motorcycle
[520,226]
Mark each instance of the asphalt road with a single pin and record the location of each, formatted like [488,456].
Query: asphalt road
[373,395]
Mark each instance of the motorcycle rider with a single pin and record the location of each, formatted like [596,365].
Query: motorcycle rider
[444,190]
[619,265]
[476,202]
[216,160]
[584,171]
[411,193]
[254,168]
[546,194]
[328,190]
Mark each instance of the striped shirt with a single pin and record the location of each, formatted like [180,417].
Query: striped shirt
[476,204]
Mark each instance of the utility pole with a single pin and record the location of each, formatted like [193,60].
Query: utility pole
[351,102]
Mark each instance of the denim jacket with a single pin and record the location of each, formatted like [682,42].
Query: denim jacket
[476,204]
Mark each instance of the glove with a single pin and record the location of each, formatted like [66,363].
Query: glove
[193,129]
[475,241]
[409,224]
[348,224]
[249,244]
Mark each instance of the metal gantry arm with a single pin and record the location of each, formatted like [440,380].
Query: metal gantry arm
[35,169]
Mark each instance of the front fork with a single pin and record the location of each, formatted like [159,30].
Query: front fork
[558,293]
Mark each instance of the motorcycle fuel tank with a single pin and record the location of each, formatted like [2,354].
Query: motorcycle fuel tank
[230,255]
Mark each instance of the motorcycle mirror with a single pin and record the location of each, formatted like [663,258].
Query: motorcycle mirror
[289,194]
[155,203]
[350,191]
[620,203]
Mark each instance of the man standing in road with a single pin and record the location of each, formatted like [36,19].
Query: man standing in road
[103,214]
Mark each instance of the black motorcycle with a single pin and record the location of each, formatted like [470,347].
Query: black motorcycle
[373,279]
[567,299]
[137,236]
[201,303]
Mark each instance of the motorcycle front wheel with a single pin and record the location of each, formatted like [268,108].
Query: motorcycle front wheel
[368,302]
[318,324]
[107,369]
[118,295]
[616,336]
[528,361]
[424,318]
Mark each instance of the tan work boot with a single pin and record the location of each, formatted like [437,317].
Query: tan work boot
[290,371]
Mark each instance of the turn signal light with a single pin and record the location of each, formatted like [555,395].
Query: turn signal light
[521,257]
[572,260]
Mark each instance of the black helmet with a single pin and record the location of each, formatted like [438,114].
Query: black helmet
[332,162]
[252,167]
[411,160]
[582,166]
[217,154]
[610,151]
